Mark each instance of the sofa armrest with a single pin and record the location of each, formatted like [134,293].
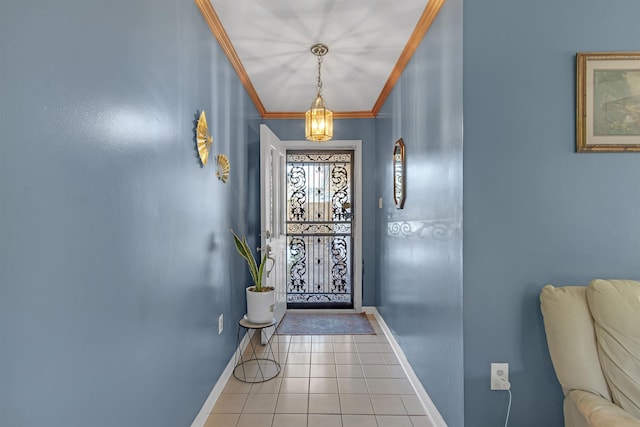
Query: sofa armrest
[584,409]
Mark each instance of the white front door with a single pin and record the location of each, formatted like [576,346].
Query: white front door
[273,235]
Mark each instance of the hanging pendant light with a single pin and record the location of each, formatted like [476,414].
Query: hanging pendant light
[319,119]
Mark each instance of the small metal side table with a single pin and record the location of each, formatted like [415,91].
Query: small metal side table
[258,363]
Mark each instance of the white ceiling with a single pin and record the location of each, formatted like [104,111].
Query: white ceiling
[272,39]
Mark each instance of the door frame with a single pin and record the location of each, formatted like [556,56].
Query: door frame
[356,146]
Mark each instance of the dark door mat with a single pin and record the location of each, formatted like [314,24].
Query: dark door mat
[295,323]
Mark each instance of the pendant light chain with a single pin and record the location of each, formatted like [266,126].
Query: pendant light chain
[319,84]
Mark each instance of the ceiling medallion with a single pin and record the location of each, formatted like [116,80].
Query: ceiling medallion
[319,119]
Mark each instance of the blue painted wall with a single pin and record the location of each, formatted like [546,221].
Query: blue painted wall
[535,211]
[350,129]
[419,248]
[115,256]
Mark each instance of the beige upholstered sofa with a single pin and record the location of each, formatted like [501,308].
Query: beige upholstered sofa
[593,334]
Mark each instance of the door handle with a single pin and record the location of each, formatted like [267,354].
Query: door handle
[272,259]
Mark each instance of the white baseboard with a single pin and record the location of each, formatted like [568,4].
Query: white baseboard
[432,412]
[206,409]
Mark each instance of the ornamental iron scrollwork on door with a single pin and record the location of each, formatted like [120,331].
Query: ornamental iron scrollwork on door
[319,227]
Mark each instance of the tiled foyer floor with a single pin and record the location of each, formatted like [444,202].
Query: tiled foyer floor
[326,381]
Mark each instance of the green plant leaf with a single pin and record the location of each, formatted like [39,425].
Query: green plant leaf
[261,272]
[243,249]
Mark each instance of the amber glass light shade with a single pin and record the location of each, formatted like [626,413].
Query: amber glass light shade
[318,121]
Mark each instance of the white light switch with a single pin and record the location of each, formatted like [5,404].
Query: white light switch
[380,203]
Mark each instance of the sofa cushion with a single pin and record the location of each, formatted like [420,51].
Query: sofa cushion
[615,307]
[571,339]
[583,409]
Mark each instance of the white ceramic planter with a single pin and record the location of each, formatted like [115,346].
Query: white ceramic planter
[260,305]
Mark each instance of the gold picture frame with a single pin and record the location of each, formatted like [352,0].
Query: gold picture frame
[607,102]
[399,174]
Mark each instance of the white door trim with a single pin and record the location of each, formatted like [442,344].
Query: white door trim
[356,146]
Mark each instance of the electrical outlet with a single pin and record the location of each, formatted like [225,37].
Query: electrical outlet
[500,376]
[220,324]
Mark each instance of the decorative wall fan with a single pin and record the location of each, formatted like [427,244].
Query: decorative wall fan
[203,138]
[223,168]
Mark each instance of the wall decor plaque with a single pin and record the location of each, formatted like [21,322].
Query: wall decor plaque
[399,174]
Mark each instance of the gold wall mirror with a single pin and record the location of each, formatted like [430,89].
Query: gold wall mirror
[399,173]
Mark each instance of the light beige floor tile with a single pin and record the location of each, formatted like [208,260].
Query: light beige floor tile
[324,404]
[421,421]
[222,420]
[260,403]
[413,405]
[359,421]
[372,386]
[393,421]
[255,420]
[323,358]
[381,338]
[345,347]
[376,371]
[271,386]
[387,404]
[290,420]
[300,347]
[347,358]
[364,338]
[229,404]
[381,386]
[299,358]
[352,385]
[282,347]
[318,420]
[322,347]
[349,371]
[323,371]
[371,358]
[236,386]
[367,347]
[323,385]
[247,370]
[396,371]
[385,348]
[292,404]
[390,359]
[296,371]
[404,386]
[282,358]
[295,385]
[356,404]
[268,370]
[266,350]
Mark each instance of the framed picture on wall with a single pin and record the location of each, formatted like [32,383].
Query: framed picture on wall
[608,102]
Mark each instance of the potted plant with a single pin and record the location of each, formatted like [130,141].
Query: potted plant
[260,299]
